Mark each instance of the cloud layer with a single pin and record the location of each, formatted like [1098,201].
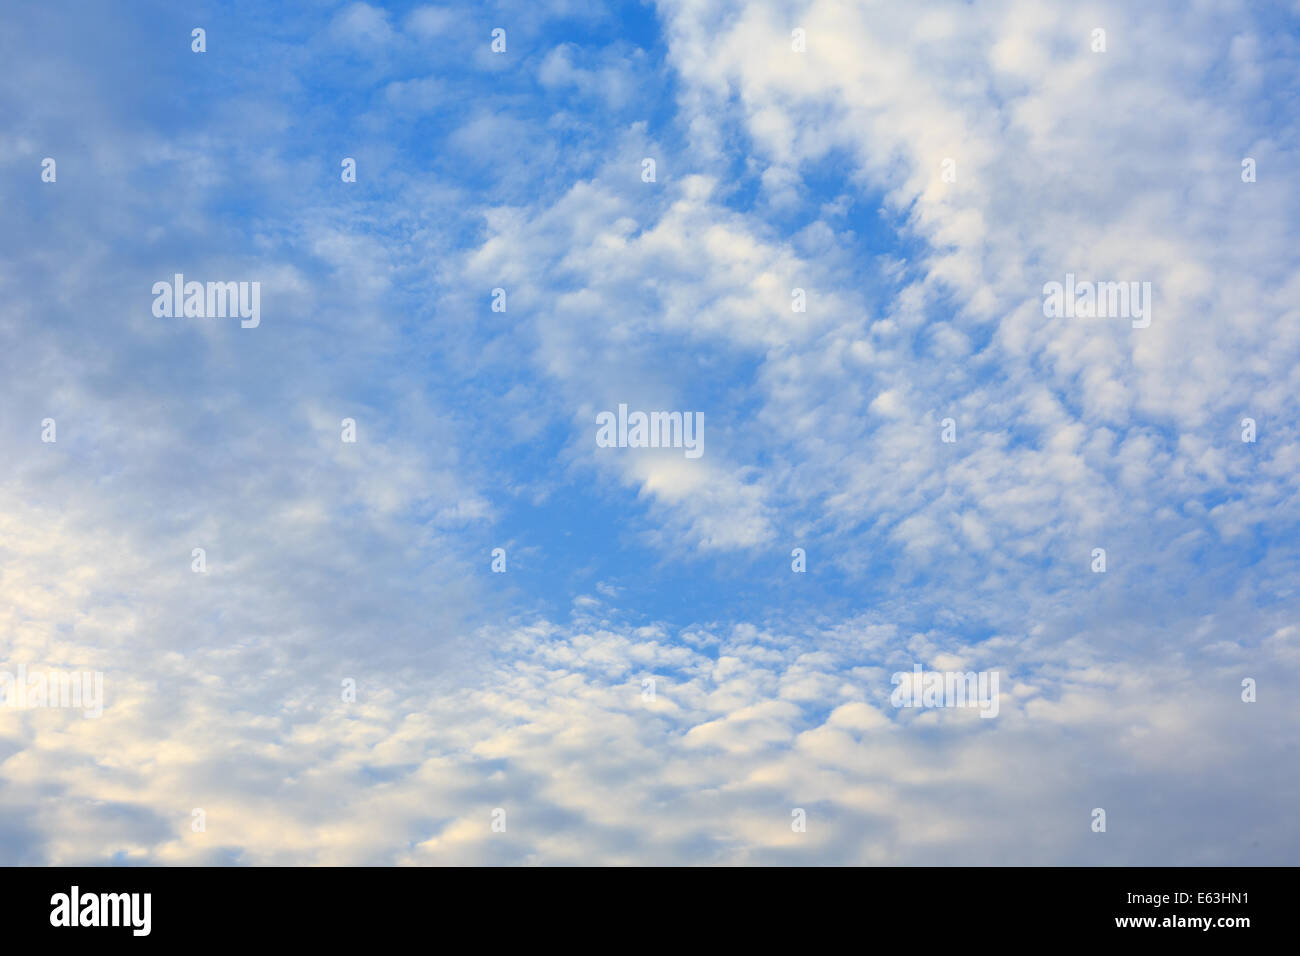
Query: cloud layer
[917,176]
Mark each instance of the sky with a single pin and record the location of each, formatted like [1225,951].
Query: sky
[348,681]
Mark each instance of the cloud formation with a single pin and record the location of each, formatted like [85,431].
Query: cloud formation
[917,176]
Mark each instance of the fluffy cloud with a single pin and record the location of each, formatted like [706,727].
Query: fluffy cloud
[776,171]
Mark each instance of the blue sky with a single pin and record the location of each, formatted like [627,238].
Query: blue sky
[775,170]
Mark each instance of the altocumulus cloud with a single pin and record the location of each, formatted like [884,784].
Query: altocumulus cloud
[649,680]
